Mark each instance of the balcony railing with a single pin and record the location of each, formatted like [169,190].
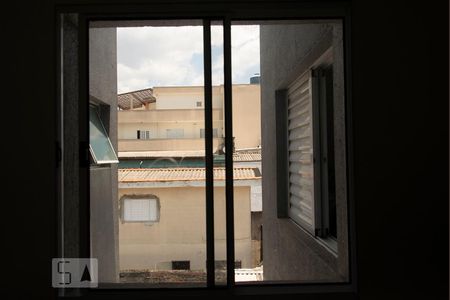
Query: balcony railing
[166,144]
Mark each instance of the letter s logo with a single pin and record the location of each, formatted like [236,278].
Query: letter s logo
[66,277]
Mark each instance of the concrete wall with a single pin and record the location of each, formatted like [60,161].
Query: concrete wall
[256,238]
[180,233]
[289,252]
[103,180]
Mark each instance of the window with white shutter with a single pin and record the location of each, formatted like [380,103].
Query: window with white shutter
[305,152]
[301,206]
[140,209]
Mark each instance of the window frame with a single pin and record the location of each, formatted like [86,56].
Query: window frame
[270,10]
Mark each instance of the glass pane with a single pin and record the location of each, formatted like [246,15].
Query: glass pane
[288,115]
[220,236]
[100,145]
[247,152]
[148,221]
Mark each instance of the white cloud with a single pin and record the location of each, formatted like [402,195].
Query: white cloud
[244,52]
[162,56]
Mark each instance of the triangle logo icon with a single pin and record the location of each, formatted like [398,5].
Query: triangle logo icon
[86,275]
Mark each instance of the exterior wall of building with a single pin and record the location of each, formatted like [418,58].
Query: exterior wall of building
[103,180]
[185,97]
[180,233]
[176,109]
[166,144]
[157,122]
[246,115]
[289,252]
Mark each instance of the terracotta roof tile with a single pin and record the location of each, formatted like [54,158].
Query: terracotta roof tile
[247,155]
[183,174]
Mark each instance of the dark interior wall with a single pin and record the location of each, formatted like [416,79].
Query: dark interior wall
[70,141]
[402,224]
[402,248]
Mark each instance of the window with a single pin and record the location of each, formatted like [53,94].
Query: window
[202,132]
[175,133]
[304,108]
[140,209]
[181,265]
[305,119]
[100,146]
[143,134]
[198,103]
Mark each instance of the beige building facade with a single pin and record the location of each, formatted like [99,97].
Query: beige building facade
[172,118]
[178,233]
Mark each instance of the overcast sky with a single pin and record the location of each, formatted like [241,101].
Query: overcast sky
[173,56]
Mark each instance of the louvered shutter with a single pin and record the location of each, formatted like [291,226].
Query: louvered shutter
[301,206]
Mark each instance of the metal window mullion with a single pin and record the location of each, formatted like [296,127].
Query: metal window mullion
[210,271]
[229,196]
[84,175]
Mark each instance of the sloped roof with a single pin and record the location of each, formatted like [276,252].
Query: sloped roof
[139,98]
[247,155]
[183,174]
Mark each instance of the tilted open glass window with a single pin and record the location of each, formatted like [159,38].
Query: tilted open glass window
[273,92]
[100,145]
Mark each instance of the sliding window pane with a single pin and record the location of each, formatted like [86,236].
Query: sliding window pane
[148,213]
[247,152]
[290,217]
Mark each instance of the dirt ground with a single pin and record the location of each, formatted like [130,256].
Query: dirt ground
[172,276]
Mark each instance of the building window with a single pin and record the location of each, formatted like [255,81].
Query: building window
[305,132]
[100,147]
[145,209]
[202,133]
[198,103]
[181,265]
[176,133]
[143,134]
